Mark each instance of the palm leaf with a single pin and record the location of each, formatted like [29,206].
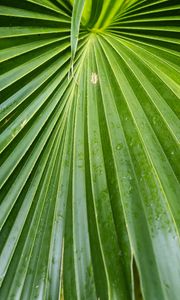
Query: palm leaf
[89,203]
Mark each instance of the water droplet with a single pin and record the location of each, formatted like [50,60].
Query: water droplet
[119,146]
[23,123]
[154,120]
[175,237]
[172,153]
[158,218]
[94,78]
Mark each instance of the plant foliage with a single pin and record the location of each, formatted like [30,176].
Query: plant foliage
[89,108]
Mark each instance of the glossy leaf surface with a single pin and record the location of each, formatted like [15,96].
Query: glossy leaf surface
[89,202]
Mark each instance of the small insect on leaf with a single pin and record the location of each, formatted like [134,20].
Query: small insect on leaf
[94,78]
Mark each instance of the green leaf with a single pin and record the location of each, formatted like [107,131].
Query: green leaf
[78,6]
[89,167]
